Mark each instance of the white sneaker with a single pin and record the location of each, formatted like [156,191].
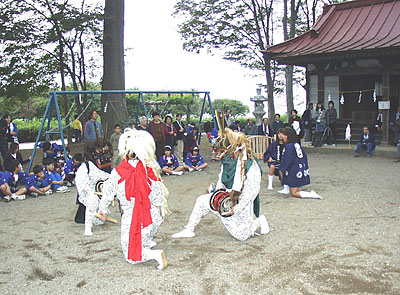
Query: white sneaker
[17,197]
[34,194]
[333,144]
[270,188]
[7,198]
[62,189]
[200,170]
[184,234]
[177,173]
[264,225]
[49,192]
[191,169]
[152,244]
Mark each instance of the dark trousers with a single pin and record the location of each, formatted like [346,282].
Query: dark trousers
[332,138]
[4,149]
[78,135]
[159,149]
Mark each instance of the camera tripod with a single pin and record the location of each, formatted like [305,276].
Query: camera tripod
[328,134]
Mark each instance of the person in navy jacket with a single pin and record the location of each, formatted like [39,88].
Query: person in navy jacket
[169,162]
[37,184]
[51,150]
[265,129]
[366,142]
[294,168]
[71,166]
[11,180]
[194,161]
[273,156]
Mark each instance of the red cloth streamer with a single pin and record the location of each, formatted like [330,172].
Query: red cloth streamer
[137,185]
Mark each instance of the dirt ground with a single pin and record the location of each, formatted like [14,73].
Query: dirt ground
[347,243]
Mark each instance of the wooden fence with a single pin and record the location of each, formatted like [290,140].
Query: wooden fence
[259,144]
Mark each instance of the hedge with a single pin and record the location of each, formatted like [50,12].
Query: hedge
[28,130]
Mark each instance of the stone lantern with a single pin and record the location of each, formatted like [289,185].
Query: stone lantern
[259,106]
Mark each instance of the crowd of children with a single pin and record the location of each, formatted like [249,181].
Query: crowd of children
[54,175]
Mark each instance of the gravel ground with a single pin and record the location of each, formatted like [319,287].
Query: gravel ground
[347,243]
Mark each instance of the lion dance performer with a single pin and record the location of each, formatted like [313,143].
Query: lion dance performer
[97,168]
[137,184]
[240,178]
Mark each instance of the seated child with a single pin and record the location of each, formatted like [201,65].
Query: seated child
[194,161]
[71,167]
[51,150]
[10,181]
[37,184]
[169,163]
[53,177]
[15,154]
[273,156]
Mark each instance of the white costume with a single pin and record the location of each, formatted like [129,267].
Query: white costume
[85,184]
[111,188]
[137,184]
[241,225]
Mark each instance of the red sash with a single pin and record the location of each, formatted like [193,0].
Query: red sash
[137,185]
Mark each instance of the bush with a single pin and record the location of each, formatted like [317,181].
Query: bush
[28,130]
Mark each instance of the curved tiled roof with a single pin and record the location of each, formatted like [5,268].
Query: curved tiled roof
[359,27]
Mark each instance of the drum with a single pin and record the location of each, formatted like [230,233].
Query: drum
[221,201]
[98,189]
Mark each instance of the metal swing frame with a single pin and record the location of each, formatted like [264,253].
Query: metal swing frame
[54,101]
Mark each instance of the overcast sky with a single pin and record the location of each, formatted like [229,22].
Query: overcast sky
[158,62]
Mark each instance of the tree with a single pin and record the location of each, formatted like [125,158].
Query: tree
[114,106]
[239,29]
[43,38]
[237,107]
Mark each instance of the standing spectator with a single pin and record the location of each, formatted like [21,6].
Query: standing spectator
[157,131]
[12,132]
[331,116]
[265,129]
[251,128]
[295,123]
[3,133]
[170,132]
[14,155]
[366,142]
[237,125]
[114,139]
[306,122]
[93,129]
[77,126]
[180,133]
[320,123]
[395,125]
[228,118]
[277,124]
[143,124]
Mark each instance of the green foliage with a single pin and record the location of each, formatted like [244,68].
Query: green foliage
[35,35]
[29,129]
[237,107]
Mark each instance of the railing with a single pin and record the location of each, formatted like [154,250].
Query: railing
[259,144]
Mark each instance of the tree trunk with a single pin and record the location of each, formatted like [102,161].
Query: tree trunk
[270,88]
[114,109]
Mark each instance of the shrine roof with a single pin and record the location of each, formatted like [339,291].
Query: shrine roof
[363,28]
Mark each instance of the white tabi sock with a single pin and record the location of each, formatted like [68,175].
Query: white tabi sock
[270,181]
[285,190]
[309,195]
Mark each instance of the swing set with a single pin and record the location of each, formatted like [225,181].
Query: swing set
[54,106]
